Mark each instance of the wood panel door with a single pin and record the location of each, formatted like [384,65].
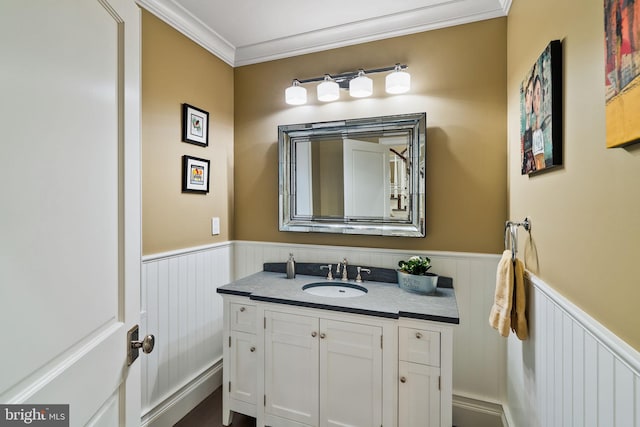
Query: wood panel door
[70,216]
[367,179]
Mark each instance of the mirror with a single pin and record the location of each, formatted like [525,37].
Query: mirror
[358,176]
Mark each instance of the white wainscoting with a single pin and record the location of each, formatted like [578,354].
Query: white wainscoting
[572,371]
[479,352]
[181,308]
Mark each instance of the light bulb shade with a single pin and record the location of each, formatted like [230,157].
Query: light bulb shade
[398,82]
[328,91]
[361,86]
[295,94]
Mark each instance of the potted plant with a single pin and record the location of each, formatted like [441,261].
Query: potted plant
[413,275]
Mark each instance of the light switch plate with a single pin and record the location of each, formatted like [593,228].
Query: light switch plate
[215,226]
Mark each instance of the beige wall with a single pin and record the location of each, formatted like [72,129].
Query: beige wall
[175,70]
[585,215]
[458,79]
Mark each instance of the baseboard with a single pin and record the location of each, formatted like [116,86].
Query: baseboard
[507,418]
[468,412]
[172,409]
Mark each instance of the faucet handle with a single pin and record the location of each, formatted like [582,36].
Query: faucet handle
[359,277]
[328,267]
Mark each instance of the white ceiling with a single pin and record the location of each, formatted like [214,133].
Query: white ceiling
[242,32]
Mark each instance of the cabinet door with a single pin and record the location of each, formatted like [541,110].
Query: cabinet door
[291,367]
[244,364]
[350,374]
[418,395]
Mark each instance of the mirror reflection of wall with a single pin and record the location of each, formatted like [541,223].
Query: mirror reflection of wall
[328,182]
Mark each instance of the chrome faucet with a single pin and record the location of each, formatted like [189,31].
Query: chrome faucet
[344,270]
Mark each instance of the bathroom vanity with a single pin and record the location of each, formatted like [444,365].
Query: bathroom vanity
[295,359]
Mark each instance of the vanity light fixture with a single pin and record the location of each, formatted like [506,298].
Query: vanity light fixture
[295,94]
[358,83]
[398,82]
[361,86]
[328,90]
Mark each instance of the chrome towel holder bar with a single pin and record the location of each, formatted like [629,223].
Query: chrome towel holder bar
[511,235]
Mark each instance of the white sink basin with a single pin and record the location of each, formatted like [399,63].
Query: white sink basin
[334,290]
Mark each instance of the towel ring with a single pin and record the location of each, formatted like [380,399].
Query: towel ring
[511,235]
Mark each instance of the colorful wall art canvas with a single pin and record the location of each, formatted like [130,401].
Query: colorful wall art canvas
[541,112]
[622,71]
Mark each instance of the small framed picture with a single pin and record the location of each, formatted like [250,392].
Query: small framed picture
[195,125]
[195,175]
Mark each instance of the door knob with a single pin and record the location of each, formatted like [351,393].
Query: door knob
[146,344]
[314,334]
[403,380]
[134,345]
[322,335]
[252,349]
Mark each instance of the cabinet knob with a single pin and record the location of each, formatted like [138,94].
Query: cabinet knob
[403,380]
[242,309]
[322,335]
[252,349]
[418,335]
[314,334]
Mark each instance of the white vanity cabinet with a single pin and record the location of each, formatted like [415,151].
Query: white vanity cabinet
[292,366]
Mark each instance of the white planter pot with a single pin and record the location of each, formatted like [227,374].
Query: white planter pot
[419,284]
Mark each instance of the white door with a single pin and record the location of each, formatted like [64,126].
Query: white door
[367,181]
[70,206]
[350,371]
[291,368]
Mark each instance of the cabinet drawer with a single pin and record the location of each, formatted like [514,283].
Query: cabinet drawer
[419,346]
[243,318]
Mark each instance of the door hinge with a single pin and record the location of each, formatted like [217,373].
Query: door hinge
[229,341]
[229,386]
[265,400]
[265,322]
[380,347]
[439,383]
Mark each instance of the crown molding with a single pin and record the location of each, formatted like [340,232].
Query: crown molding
[506,6]
[431,18]
[183,21]
[435,16]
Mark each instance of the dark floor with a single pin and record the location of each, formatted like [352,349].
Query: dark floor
[209,413]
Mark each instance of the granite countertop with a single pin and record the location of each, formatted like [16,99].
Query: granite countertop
[382,299]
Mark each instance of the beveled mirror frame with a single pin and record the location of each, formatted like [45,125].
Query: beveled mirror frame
[413,226]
